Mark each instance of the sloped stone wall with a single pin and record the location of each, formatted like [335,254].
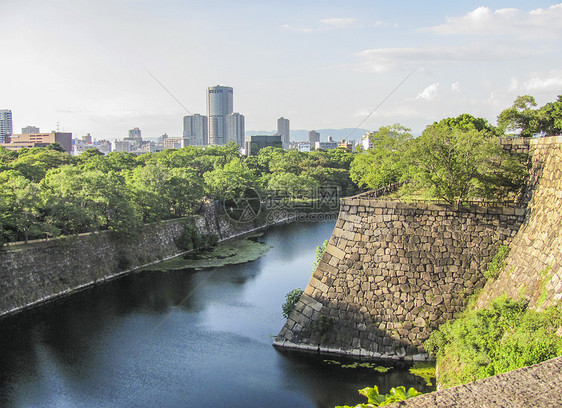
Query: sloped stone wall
[40,271]
[534,265]
[392,272]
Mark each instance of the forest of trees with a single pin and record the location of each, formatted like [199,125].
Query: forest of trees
[457,159]
[47,192]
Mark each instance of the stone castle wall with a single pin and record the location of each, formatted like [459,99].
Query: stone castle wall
[394,271]
[533,266]
[44,270]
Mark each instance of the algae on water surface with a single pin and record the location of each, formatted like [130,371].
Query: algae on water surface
[225,253]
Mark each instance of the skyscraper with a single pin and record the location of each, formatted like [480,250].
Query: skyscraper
[284,131]
[219,105]
[5,124]
[235,129]
[195,130]
[313,137]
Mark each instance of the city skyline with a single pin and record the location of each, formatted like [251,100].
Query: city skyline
[320,64]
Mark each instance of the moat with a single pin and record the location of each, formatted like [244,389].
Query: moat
[180,339]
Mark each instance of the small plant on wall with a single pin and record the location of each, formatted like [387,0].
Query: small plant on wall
[291,300]
[497,263]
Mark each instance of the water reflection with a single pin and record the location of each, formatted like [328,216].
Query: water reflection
[177,339]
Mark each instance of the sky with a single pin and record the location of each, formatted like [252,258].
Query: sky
[104,67]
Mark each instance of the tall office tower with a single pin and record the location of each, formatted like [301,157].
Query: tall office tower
[219,105]
[5,124]
[235,129]
[313,137]
[195,130]
[284,131]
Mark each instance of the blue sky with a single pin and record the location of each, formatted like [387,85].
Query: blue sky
[322,64]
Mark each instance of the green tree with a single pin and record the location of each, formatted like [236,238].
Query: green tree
[56,147]
[102,199]
[522,115]
[383,163]
[287,162]
[231,180]
[21,208]
[295,186]
[466,122]
[550,117]
[34,163]
[454,164]
[148,187]
[89,154]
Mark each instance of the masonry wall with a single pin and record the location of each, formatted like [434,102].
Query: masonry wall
[533,267]
[393,272]
[44,270]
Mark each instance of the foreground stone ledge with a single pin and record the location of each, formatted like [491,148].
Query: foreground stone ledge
[537,386]
[352,353]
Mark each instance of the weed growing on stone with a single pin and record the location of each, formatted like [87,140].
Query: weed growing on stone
[291,300]
[497,263]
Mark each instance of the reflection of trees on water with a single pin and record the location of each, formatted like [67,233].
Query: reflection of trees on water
[71,329]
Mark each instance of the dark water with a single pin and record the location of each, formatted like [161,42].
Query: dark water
[180,339]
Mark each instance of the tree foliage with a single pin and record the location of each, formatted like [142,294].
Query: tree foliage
[455,164]
[525,117]
[383,163]
[505,336]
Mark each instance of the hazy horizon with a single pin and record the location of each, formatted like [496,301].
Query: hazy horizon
[101,67]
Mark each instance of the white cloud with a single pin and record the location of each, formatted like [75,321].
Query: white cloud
[327,24]
[340,22]
[385,59]
[513,84]
[298,29]
[378,24]
[550,82]
[538,23]
[456,87]
[429,93]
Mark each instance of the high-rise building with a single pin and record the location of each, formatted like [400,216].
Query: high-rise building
[235,129]
[195,130]
[5,124]
[219,105]
[313,137]
[134,139]
[30,129]
[284,131]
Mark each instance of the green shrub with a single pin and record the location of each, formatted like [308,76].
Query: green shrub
[497,263]
[191,239]
[291,300]
[506,336]
[375,399]
[320,249]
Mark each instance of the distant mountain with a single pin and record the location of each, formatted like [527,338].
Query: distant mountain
[302,135]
